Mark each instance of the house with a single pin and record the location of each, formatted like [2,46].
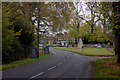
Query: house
[62,42]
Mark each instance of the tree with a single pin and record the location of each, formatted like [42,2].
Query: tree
[105,7]
[94,16]
[23,21]
[98,34]
[10,45]
[116,27]
[111,23]
[55,16]
[82,25]
[17,31]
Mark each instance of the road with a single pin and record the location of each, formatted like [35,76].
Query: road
[62,64]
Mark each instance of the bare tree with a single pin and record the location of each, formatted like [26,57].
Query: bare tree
[90,14]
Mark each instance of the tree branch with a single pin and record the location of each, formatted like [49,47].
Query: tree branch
[85,20]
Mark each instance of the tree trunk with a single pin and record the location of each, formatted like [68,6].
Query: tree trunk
[115,45]
[116,10]
[117,50]
[103,44]
[118,58]
[92,26]
[76,42]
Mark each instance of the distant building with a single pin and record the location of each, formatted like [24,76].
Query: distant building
[62,42]
[52,40]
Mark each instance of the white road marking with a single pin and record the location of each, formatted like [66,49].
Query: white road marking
[36,75]
[64,60]
[77,75]
[51,67]
[60,63]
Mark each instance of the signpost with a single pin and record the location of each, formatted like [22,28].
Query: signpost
[34,53]
[82,48]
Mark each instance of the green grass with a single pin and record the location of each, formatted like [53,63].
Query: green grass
[88,51]
[22,62]
[107,68]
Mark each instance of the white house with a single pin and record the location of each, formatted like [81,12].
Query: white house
[62,42]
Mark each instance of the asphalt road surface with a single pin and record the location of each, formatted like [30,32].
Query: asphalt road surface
[62,64]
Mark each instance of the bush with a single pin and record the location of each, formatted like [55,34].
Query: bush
[17,35]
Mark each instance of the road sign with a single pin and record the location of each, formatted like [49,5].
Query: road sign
[41,41]
[46,50]
[34,53]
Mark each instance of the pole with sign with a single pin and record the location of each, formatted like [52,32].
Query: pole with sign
[42,42]
[38,26]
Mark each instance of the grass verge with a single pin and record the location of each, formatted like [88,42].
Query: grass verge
[88,51]
[22,62]
[107,68]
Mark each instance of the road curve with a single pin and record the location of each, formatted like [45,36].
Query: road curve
[62,64]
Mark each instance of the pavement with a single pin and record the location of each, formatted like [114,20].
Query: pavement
[111,50]
[62,64]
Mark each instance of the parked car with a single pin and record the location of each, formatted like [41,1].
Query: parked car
[49,45]
[98,45]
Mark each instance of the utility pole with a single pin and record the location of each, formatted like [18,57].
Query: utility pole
[38,27]
[77,22]
[77,18]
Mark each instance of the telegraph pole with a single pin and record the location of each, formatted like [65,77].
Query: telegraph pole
[38,26]
[77,22]
[77,18]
